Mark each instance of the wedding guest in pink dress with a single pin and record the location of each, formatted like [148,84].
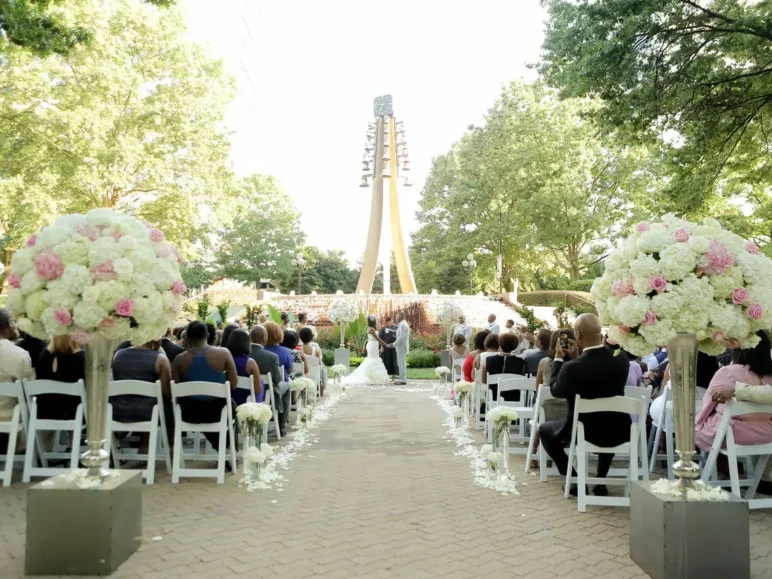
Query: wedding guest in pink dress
[750,366]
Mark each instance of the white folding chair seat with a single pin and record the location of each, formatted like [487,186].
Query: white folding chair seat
[33,389]
[733,452]
[490,403]
[581,448]
[17,423]
[270,398]
[156,423]
[224,427]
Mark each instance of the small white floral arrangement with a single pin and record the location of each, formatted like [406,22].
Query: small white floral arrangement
[676,276]
[338,370]
[485,450]
[458,415]
[254,455]
[502,414]
[463,387]
[447,312]
[306,414]
[300,384]
[699,492]
[343,311]
[267,450]
[442,371]
[495,460]
[96,275]
[255,412]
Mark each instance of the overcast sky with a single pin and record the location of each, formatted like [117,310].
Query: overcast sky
[308,72]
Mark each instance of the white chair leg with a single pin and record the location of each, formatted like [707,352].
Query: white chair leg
[29,453]
[233,459]
[581,470]
[11,452]
[152,446]
[644,458]
[177,446]
[670,455]
[655,446]
[221,455]
[734,474]
[531,440]
[758,473]
[571,451]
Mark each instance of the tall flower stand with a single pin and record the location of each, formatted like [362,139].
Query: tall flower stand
[671,536]
[76,531]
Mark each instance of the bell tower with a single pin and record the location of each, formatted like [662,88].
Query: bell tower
[385,157]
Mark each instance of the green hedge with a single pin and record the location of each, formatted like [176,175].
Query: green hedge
[422,359]
[581,285]
[550,298]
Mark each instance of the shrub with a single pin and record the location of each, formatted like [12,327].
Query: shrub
[222,310]
[328,338]
[328,358]
[531,320]
[581,285]
[427,341]
[202,308]
[355,361]
[582,308]
[422,359]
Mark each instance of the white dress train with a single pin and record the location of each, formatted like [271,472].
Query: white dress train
[371,370]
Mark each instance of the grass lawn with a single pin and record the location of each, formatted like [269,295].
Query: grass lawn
[421,374]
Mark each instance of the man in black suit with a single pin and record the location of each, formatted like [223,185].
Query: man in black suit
[597,373]
[171,349]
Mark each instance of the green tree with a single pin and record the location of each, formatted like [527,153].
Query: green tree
[563,192]
[131,120]
[327,272]
[264,236]
[694,76]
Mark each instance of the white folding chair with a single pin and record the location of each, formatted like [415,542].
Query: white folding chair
[18,423]
[270,398]
[33,389]
[581,448]
[479,419]
[524,412]
[315,374]
[544,394]
[457,370]
[643,392]
[490,403]
[224,427]
[246,383]
[157,422]
[733,452]
[663,423]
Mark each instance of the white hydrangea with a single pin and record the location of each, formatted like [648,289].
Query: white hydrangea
[23,261]
[148,309]
[102,250]
[35,304]
[101,217]
[88,315]
[15,301]
[75,278]
[124,269]
[31,282]
[501,413]
[645,266]
[59,296]
[677,261]
[632,309]
[699,243]
[755,269]
[110,293]
[73,252]
[343,310]
[128,243]
[52,236]
[655,239]
[659,333]
[447,312]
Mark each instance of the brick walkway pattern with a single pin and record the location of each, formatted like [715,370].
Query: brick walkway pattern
[380,495]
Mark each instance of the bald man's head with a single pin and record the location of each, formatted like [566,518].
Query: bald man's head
[587,328]
[258,335]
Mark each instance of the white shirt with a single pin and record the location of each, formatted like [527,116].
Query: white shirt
[522,347]
[493,328]
[15,365]
[465,330]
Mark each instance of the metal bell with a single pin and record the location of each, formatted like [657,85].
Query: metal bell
[364,182]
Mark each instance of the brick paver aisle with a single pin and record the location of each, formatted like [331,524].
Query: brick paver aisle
[380,495]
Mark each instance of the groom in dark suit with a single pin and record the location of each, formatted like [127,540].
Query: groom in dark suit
[586,367]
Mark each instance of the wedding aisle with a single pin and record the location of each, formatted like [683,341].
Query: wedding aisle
[380,495]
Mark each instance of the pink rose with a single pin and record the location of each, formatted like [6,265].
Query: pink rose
[650,318]
[658,283]
[718,259]
[13,281]
[63,317]
[108,322]
[179,287]
[755,311]
[681,235]
[117,235]
[156,235]
[642,226]
[751,247]
[740,295]
[104,271]
[89,231]
[622,287]
[718,337]
[48,265]
[32,241]
[666,225]
[624,329]
[125,308]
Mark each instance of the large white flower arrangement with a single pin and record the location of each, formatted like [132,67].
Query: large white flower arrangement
[257,412]
[343,311]
[96,275]
[447,313]
[682,277]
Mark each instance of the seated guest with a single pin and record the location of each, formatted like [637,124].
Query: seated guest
[301,322]
[226,333]
[33,346]
[591,370]
[262,319]
[459,349]
[146,363]
[311,348]
[749,366]
[63,361]
[635,374]
[707,367]
[239,346]
[273,344]
[211,334]
[479,347]
[534,356]
[291,341]
[171,349]
[491,349]
[525,339]
[203,363]
[504,362]
[269,364]
[284,320]
[15,364]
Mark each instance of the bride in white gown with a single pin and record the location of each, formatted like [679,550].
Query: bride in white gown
[371,370]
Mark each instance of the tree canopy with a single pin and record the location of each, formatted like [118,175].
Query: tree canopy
[692,76]
[563,190]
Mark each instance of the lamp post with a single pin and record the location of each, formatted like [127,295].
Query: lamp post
[300,263]
[469,264]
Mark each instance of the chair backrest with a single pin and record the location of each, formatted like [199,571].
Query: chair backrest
[518,383]
[497,378]
[478,375]
[612,404]
[134,387]
[297,368]
[16,390]
[313,362]
[213,389]
[34,388]
[267,381]
[246,383]
[739,408]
